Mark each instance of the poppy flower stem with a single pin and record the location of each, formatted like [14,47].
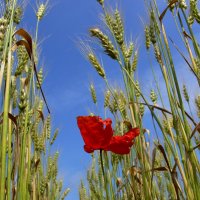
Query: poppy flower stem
[101,158]
[105,179]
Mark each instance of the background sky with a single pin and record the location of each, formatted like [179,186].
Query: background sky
[68,74]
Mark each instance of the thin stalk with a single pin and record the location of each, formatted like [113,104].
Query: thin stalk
[101,158]
[157,87]
[6,109]
[177,86]
[6,105]
[36,31]
[23,175]
[135,121]
[28,163]
[185,130]
[190,195]
[155,117]
[104,175]
[195,43]
[174,81]
[9,184]
[190,110]
[189,49]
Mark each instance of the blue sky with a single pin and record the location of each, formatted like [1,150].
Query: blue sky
[68,74]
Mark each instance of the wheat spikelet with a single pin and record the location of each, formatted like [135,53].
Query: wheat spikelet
[135,61]
[40,78]
[129,51]
[168,125]
[18,15]
[3,28]
[15,96]
[185,93]
[182,4]
[93,93]
[54,136]
[93,60]
[137,91]
[41,11]
[152,34]
[147,37]
[190,19]
[106,43]
[157,54]
[43,183]
[153,97]
[118,28]
[83,192]
[65,193]
[141,109]
[113,106]
[106,98]
[48,126]
[23,101]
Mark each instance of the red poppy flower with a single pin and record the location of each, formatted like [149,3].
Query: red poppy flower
[98,135]
[122,144]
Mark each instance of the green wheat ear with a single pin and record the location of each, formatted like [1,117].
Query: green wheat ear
[135,62]
[190,20]
[54,136]
[18,15]
[40,78]
[93,93]
[153,97]
[182,4]
[23,101]
[95,63]
[83,192]
[3,28]
[113,105]
[141,110]
[48,126]
[138,90]
[65,193]
[117,27]
[41,11]
[107,95]
[147,37]
[105,42]
[185,93]
[129,52]
[157,54]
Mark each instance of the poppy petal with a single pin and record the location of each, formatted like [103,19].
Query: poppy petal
[122,144]
[134,132]
[108,133]
[88,149]
[96,132]
[119,146]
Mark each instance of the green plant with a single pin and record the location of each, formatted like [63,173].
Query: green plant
[169,169]
[27,169]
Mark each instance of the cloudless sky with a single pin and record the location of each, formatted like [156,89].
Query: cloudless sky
[68,74]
